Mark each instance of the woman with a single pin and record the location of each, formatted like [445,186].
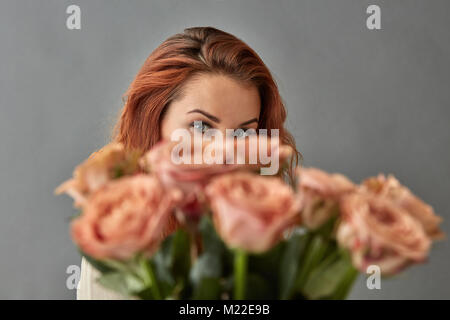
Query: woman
[200,79]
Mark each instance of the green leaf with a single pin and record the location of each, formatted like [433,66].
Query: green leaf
[206,273]
[210,239]
[172,263]
[208,265]
[258,288]
[149,278]
[327,229]
[165,279]
[114,281]
[180,262]
[167,262]
[326,278]
[346,285]
[145,294]
[122,266]
[97,264]
[289,264]
[123,283]
[347,281]
[208,289]
[267,262]
[315,251]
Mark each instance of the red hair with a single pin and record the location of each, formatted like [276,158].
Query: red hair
[197,50]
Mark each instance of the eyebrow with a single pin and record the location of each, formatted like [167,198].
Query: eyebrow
[249,121]
[206,114]
[217,120]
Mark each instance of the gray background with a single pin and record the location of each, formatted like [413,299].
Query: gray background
[359,102]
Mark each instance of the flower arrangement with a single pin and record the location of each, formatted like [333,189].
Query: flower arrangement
[159,230]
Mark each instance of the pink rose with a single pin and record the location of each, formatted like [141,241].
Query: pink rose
[189,178]
[102,166]
[391,188]
[251,211]
[124,217]
[377,232]
[190,175]
[320,193]
[260,153]
[192,178]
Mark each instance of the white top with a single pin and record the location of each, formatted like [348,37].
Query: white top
[89,289]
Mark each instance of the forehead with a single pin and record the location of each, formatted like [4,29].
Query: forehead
[222,96]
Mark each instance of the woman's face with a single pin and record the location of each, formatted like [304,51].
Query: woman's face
[217,101]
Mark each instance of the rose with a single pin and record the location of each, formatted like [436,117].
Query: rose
[251,212]
[186,176]
[377,232]
[160,160]
[189,178]
[320,194]
[391,188]
[110,162]
[126,216]
[192,177]
[259,153]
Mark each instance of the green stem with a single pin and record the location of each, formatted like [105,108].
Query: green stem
[240,274]
[150,279]
[315,252]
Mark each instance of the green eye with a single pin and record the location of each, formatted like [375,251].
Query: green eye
[200,126]
[242,133]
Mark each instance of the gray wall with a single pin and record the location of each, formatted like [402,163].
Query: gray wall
[359,102]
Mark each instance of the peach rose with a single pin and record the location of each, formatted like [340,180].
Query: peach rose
[186,176]
[377,232]
[97,170]
[391,188]
[320,193]
[189,178]
[251,211]
[126,216]
[192,178]
[260,153]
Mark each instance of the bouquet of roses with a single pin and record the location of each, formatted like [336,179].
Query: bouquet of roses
[156,229]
